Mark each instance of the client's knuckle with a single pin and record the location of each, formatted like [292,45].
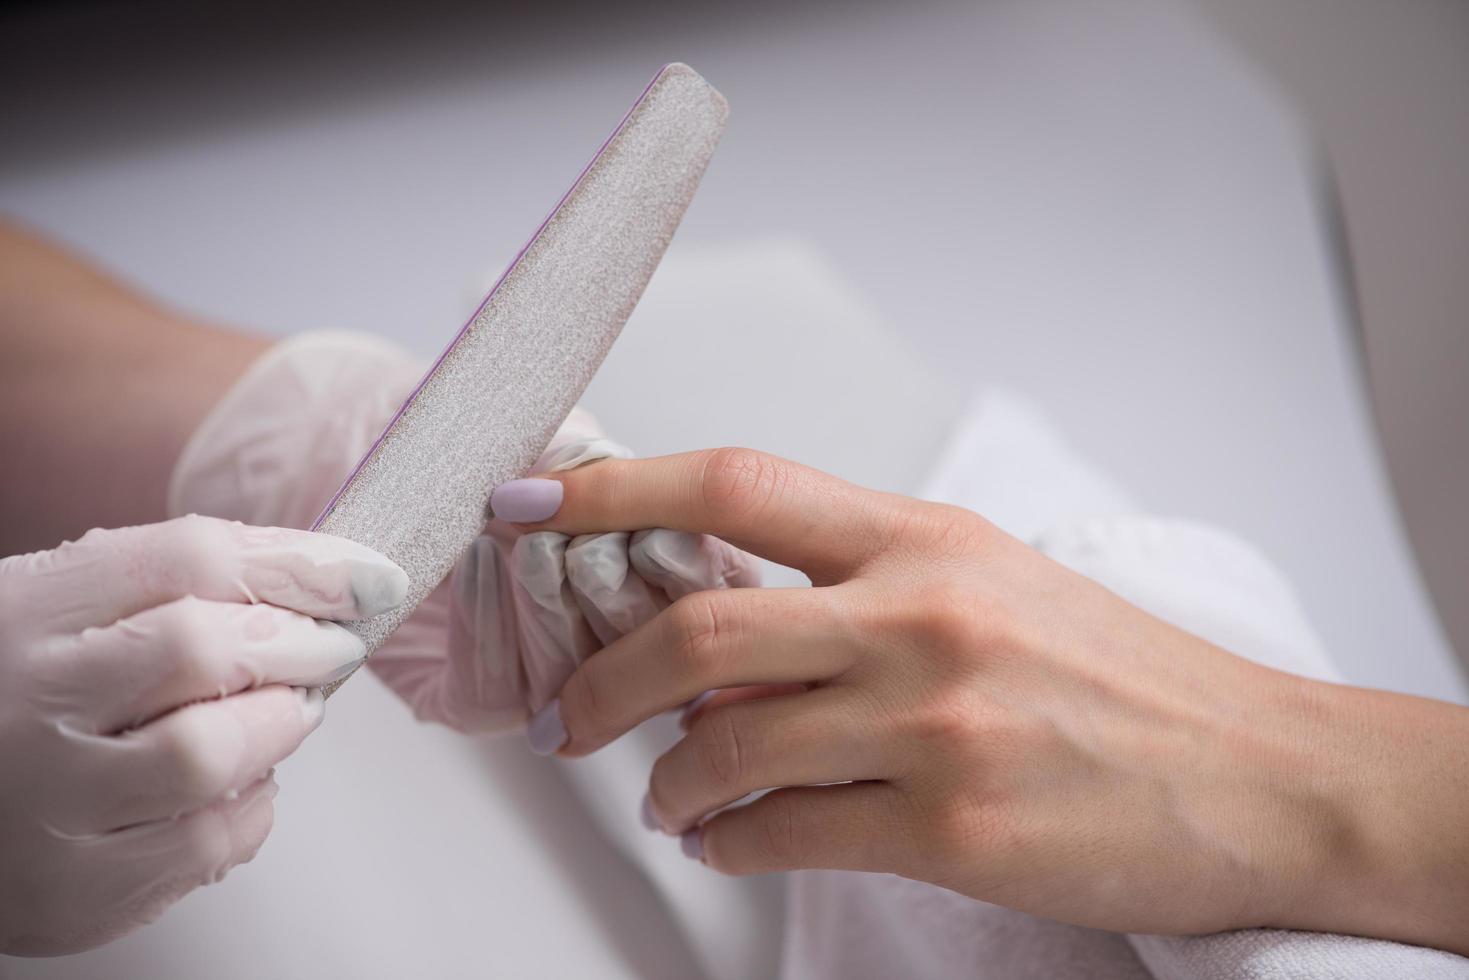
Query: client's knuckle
[963,828]
[722,749]
[955,533]
[736,483]
[704,625]
[947,719]
[778,833]
[955,620]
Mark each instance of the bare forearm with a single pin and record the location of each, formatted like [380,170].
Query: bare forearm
[99,389]
[1399,861]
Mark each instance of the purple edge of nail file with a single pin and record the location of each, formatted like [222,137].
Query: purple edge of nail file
[490,404]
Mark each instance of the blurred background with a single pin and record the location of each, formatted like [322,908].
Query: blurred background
[1221,244]
[288,165]
[1379,88]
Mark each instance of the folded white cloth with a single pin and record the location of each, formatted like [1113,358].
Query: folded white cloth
[1008,464]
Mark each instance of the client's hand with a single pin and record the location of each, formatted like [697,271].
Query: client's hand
[972,714]
[498,638]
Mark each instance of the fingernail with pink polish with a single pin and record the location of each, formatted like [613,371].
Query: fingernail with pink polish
[526,501]
[692,843]
[546,732]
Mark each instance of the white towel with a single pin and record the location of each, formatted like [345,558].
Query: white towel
[1006,462]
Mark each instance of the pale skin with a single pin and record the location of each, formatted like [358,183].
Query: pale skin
[1001,726]
[993,722]
[99,389]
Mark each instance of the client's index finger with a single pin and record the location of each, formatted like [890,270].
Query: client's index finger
[769,506]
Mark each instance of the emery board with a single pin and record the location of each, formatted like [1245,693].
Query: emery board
[490,404]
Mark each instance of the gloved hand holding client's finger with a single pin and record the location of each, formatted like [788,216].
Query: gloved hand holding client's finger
[500,636]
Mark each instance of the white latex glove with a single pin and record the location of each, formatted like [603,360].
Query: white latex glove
[496,640]
[150,677]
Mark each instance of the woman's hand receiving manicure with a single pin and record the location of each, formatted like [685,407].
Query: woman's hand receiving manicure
[959,709]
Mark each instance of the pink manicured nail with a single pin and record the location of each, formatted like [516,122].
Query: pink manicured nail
[650,819]
[526,501]
[546,732]
[692,843]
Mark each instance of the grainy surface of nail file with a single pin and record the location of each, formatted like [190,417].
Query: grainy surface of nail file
[492,402]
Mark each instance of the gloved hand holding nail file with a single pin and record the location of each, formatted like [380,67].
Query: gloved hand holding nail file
[152,678]
[490,405]
[155,674]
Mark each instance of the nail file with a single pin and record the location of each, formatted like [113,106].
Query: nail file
[491,403]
